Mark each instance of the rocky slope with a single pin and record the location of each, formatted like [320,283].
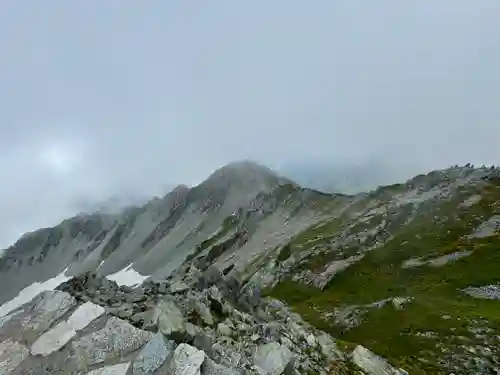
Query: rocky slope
[154,239]
[409,271]
[193,323]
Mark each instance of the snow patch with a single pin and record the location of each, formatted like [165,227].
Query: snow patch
[31,291]
[127,276]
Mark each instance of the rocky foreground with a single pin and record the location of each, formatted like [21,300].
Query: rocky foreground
[193,323]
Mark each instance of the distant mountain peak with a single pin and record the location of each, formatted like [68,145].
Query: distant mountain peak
[244,166]
[244,173]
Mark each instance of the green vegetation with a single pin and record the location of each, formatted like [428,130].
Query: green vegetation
[397,334]
[317,233]
[229,223]
[285,253]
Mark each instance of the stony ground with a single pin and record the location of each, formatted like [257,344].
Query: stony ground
[193,323]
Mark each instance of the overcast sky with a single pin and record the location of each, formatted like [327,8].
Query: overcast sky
[102,97]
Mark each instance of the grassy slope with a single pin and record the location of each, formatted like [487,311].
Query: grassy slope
[391,332]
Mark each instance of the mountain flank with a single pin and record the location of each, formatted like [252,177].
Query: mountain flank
[408,271]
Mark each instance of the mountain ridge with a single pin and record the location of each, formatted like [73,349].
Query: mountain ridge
[349,264]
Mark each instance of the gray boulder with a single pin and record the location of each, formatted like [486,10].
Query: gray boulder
[153,355]
[328,347]
[12,354]
[171,320]
[119,369]
[186,360]
[224,330]
[203,311]
[211,276]
[203,342]
[117,339]
[178,287]
[225,355]
[217,304]
[209,367]
[272,358]
[372,364]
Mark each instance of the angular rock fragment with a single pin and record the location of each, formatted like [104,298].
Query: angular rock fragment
[272,358]
[186,360]
[84,315]
[12,354]
[328,347]
[45,309]
[178,287]
[119,369]
[62,333]
[204,312]
[53,339]
[209,367]
[115,340]
[170,320]
[153,355]
[372,364]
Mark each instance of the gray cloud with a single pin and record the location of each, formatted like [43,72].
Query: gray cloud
[100,98]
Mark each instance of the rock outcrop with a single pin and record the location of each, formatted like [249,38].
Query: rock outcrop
[81,328]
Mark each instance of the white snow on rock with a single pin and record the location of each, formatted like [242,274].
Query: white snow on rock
[28,293]
[127,276]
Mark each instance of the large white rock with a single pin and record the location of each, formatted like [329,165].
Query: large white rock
[119,369]
[186,360]
[328,347]
[12,354]
[372,364]
[84,315]
[272,358]
[53,339]
[62,333]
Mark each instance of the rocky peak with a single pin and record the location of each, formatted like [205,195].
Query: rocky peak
[246,174]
